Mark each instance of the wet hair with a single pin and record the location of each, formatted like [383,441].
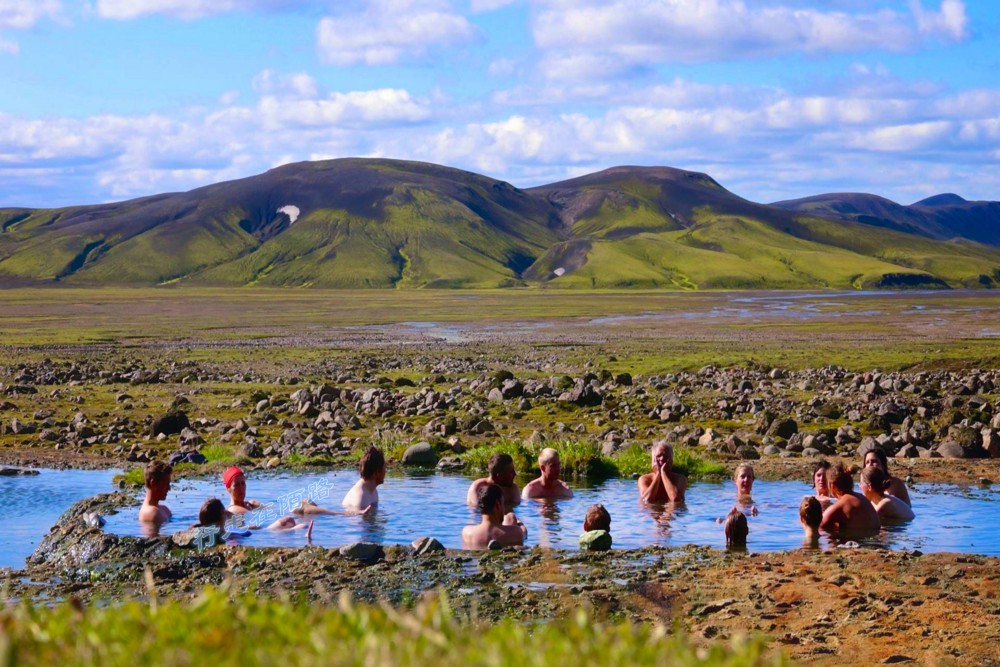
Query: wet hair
[500,462]
[598,518]
[736,528]
[489,494]
[880,455]
[157,471]
[875,478]
[548,456]
[839,477]
[744,466]
[823,465]
[371,462]
[212,513]
[811,512]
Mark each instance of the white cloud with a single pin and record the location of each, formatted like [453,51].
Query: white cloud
[760,141]
[184,9]
[23,14]
[9,46]
[299,84]
[389,31]
[490,5]
[950,21]
[594,38]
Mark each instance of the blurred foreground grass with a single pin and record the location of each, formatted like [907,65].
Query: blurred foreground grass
[212,629]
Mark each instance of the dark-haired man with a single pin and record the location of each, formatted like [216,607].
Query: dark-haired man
[501,473]
[157,476]
[851,515]
[496,527]
[364,493]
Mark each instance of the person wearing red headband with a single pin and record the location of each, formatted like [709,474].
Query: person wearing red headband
[236,484]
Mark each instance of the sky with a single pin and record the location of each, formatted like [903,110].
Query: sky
[105,100]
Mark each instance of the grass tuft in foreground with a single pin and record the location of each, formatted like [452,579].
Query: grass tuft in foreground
[211,629]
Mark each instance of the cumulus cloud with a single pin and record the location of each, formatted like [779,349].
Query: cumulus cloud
[184,9]
[490,5]
[762,142]
[389,31]
[23,14]
[593,38]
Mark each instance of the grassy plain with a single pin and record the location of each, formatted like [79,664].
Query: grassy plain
[640,332]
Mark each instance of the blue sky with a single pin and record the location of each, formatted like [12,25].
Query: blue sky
[112,99]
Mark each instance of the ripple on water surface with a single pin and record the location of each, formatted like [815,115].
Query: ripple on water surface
[949,517]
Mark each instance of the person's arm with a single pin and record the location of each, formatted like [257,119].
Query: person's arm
[650,486]
[833,517]
[674,488]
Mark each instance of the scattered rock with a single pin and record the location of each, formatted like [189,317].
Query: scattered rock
[366,551]
[420,454]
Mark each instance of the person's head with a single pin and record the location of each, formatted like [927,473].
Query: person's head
[810,512]
[597,518]
[744,479]
[157,476]
[819,478]
[502,470]
[662,455]
[212,513]
[491,501]
[548,462]
[372,465]
[839,480]
[236,483]
[736,528]
[875,457]
[873,482]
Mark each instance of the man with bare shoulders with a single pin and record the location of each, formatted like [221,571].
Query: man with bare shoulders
[157,476]
[548,485]
[502,473]
[663,485]
[851,514]
[364,494]
[496,527]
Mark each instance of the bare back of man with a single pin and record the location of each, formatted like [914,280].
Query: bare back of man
[852,515]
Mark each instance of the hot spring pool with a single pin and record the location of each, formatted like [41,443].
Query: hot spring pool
[949,517]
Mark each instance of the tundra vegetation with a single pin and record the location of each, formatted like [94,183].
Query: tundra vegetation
[267,378]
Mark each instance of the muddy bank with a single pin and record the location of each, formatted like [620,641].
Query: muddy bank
[856,604]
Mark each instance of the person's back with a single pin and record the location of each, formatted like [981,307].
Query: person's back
[495,526]
[364,493]
[874,484]
[851,514]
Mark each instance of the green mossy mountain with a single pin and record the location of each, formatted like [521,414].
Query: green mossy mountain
[354,223]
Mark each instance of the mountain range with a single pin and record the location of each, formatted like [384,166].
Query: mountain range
[356,223]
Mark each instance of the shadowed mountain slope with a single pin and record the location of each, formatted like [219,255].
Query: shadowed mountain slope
[942,217]
[388,223]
